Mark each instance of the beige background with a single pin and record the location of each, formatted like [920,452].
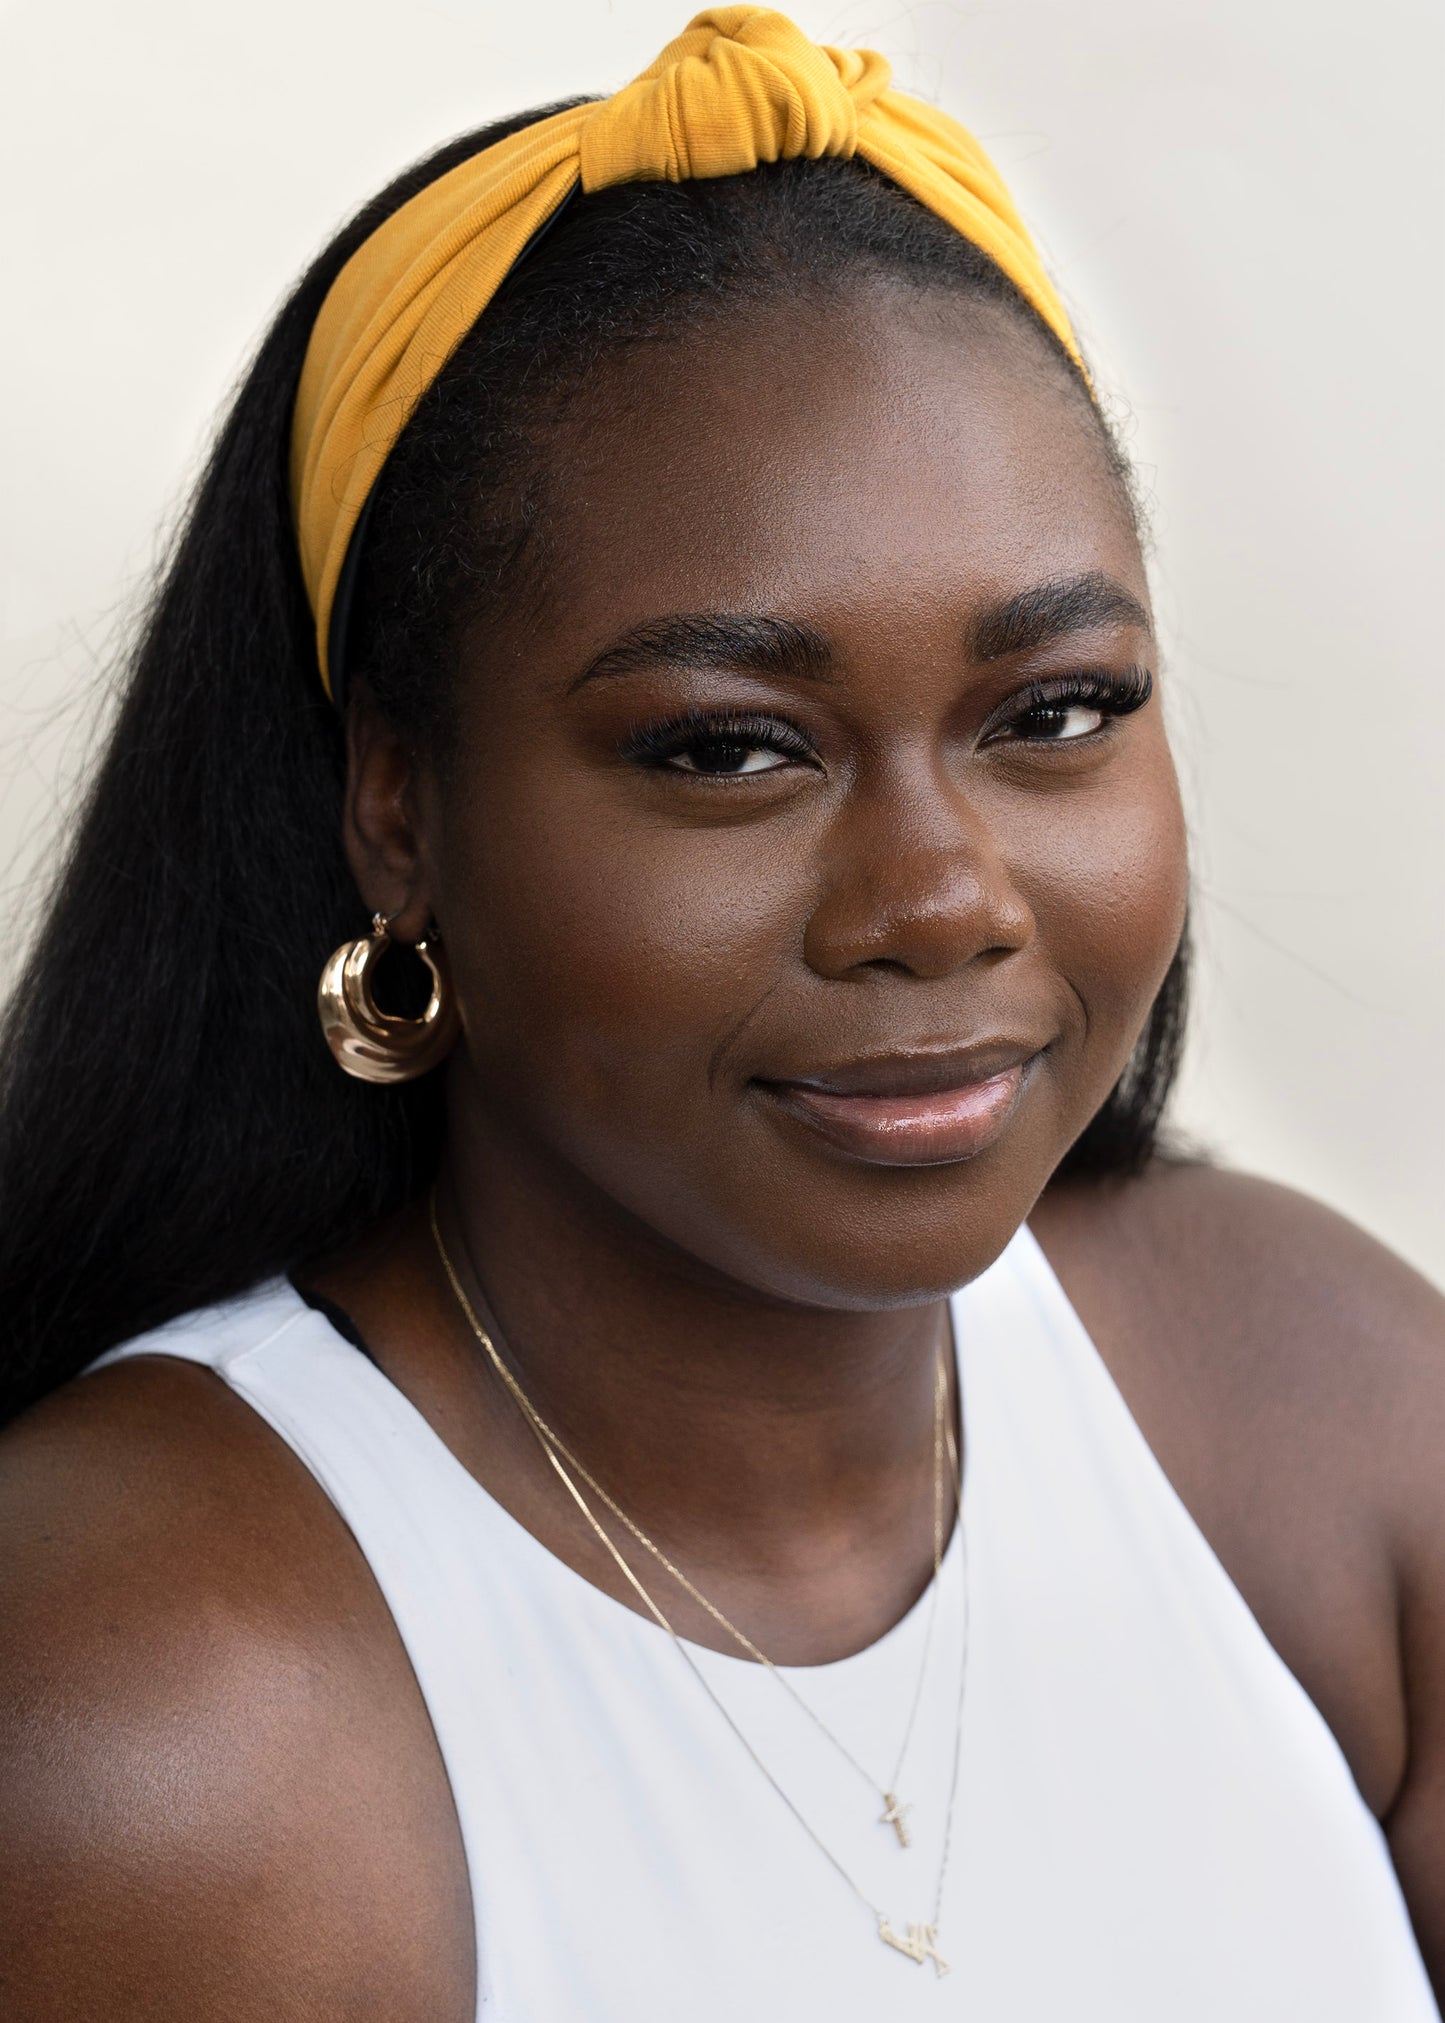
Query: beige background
[1241,201]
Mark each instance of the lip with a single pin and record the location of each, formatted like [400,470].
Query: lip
[929,1109]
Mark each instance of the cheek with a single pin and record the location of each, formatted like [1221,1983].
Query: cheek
[608,961]
[1106,874]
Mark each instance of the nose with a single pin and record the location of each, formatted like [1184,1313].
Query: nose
[915,882]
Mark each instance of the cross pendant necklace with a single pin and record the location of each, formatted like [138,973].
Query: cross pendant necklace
[920,1942]
[896,1816]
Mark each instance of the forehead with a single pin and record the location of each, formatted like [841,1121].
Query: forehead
[836,456]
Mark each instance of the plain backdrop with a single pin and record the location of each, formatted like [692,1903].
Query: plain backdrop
[1241,202]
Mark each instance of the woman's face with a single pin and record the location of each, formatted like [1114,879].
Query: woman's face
[811,851]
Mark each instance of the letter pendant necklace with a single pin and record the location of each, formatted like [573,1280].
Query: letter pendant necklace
[920,1941]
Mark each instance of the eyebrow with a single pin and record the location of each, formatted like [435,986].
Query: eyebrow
[1051,611]
[778,648]
[788,650]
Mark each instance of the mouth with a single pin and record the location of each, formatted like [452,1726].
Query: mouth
[912,1109]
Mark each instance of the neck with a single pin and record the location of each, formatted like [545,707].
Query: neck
[740,1428]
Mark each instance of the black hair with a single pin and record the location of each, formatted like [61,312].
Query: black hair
[172,1127]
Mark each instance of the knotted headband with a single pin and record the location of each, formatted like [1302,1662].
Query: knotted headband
[740,86]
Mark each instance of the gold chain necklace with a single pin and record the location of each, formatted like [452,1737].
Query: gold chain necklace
[920,1941]
[894,1811]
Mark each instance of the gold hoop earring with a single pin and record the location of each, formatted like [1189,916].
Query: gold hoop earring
[371,1044]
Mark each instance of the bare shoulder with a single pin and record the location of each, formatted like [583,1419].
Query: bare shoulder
[219,1793]
[1275,1324]
[1289,1372]
[1254,1297]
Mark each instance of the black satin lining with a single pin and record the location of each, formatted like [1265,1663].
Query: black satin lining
[339,1318]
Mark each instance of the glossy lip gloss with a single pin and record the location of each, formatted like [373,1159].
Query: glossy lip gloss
[925,1127]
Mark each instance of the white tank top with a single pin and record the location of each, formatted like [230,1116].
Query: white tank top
[1153,1823]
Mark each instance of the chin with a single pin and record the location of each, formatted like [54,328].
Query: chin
[871,1239]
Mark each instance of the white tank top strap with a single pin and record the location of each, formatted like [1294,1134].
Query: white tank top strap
[1153,1820]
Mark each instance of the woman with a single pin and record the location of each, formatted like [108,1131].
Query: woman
[481,1540]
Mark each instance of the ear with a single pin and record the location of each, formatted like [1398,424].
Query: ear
[381,823]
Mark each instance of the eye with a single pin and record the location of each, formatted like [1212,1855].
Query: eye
[725,755]
[1060,722]
[1069,708]
[719,745]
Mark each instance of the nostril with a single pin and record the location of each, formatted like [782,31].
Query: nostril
[918,911]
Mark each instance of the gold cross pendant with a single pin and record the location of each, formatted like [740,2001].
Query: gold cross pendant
[920,1945]
[895,1815]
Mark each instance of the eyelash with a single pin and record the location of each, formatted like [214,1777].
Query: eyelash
[657,744]
[1113,695]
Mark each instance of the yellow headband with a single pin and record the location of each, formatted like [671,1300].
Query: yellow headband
[740,86]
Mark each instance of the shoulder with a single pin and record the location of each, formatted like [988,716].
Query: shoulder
[203,1704]
[1260,1279]
[1274,1329]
